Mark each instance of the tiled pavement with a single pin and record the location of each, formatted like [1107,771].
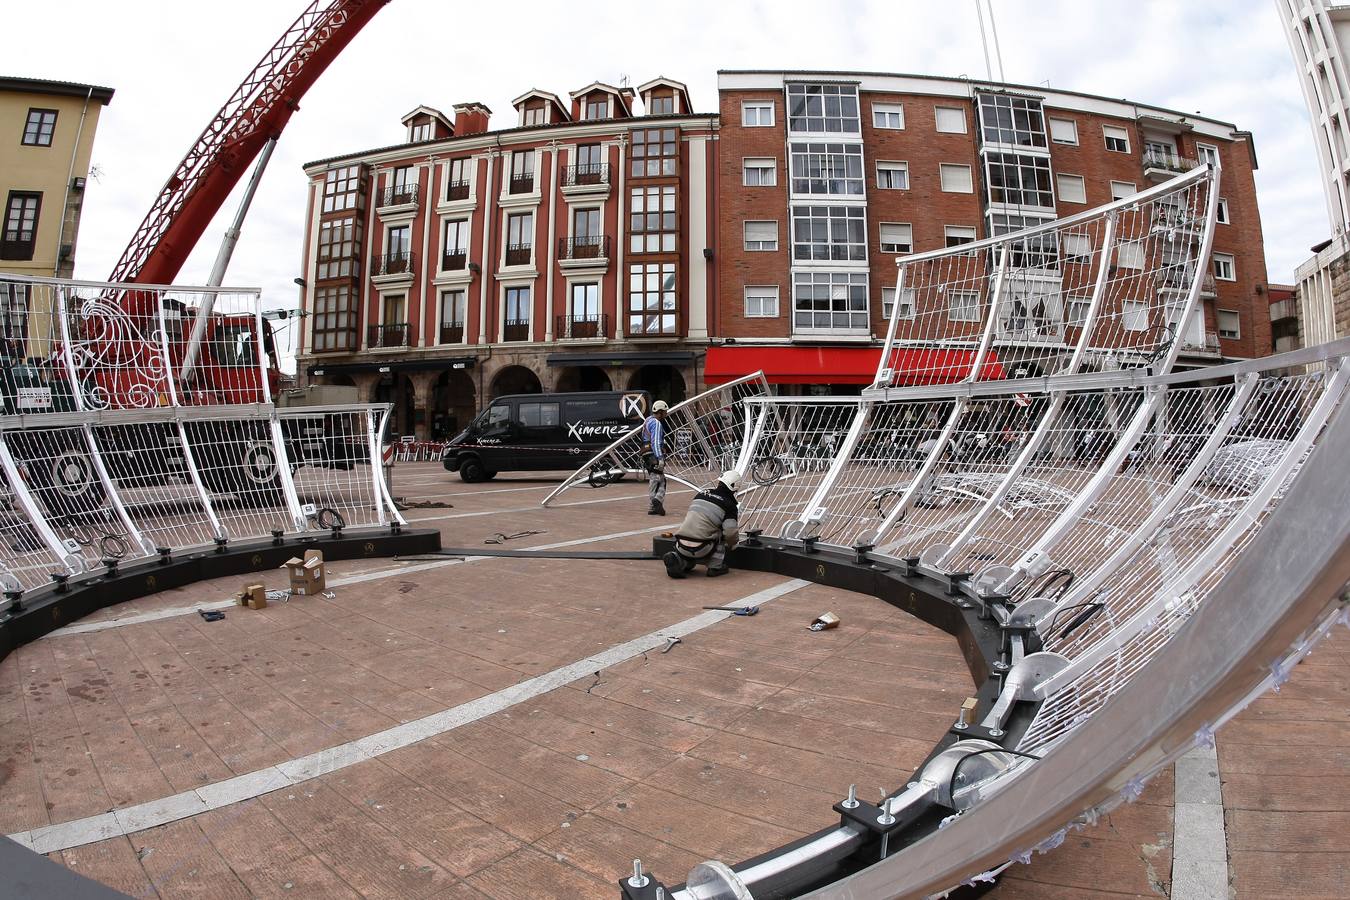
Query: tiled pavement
[737,740]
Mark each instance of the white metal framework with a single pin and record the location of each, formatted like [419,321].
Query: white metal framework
[108,452]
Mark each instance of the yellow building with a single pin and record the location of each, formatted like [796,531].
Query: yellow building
[46,137]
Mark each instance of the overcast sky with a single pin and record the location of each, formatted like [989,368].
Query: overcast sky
[174,64]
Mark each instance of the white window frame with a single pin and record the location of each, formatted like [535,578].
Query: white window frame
[1107,136]
[758,106]
[888,301]
[937,120]
[1227,262]
[1204,150]
[745,236]
[965,231]
[1073,126]
[1130,255]
[943,169]
[760,164]
[882,243]
[762,293]
[888,109]
[892,166]
[1133,315]
[1066,196]
[1122,189]
[1233,335]
[975,306]
[1073,256]
[1076,310]
[1221,215]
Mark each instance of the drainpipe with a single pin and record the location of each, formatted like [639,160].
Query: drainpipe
[70,176]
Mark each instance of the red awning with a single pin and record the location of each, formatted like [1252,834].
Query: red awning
[844,365]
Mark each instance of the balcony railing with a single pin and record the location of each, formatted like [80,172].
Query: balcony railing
[586,246]
[453,261]
[518,254]
[586,173]
[452,332]
[520,184]
[385,336]
[392,263]
[516,330]
[457,190]
[399,194]
[1208,344]
[1170,162]
[595,325]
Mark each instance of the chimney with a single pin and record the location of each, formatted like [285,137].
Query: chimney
[471,118]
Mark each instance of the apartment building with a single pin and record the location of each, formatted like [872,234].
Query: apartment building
[828,177]
[571,251]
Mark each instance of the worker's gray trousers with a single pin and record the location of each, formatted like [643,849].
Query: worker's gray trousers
[656,488]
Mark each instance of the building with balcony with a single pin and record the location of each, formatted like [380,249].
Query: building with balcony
[827,178]
[571,251]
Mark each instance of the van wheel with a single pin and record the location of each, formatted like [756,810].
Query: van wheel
[471,471]
[488,476]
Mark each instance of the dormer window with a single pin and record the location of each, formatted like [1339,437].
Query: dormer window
[597,107]
[662,105]
[419,132]
[535,115]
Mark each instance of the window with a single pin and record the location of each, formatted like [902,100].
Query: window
[420,132]
[662,106]
[1130,255]
[1230,324]
[1133,315]
[1122,189]
[38,130]
[519,239]
[654,152]
[1005,119]
[1221,216]
[540,415]
[596,108]
[517,314]
[1064,131]
[830,301]
[888,115]
[761,235]
[1207,153]
[760,172]
[397,240]
[897,238]
[1077,248]
[535,115]
[583,309]
[336,256]
[454,308]
[757,114]
[955,178]
[652,220]
[522,172]
[1038,251]
[893,176]
[457,185]
[831,169]
[823,108]
[1071,188]
[586,224]
[393,309]
[829,233]
[761,302]
[906,303]
[455,250]
[404,179]
[1117,139]
[341,188]
[950,119]
[1078,310]
[1225,266]
[1018,180]
[651,298]
[956,235]
[963,306]
[334,320]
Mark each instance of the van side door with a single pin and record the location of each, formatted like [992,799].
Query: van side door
[497,438]
[542,436]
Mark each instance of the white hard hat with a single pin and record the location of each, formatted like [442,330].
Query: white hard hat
[660,406]
[730,478]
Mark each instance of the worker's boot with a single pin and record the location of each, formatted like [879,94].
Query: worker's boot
[656,509]
[674,565]
[714,571]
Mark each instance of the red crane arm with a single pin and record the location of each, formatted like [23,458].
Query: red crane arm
[258,110]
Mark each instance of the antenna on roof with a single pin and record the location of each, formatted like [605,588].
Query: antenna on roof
[623,81]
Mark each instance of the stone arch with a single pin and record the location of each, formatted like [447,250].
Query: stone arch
[453,403]
[514,379]
[583,378]
[662,382]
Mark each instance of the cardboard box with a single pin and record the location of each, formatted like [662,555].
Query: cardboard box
[307,575]
[254,596]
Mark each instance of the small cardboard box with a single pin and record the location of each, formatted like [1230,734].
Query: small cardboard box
[254,596]
[308,574]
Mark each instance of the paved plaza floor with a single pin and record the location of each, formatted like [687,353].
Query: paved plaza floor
[508,727]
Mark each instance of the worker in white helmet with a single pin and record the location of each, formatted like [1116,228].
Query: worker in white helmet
[653,458]
[710,529]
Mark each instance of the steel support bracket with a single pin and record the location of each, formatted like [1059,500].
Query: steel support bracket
[866,816]
[646,892]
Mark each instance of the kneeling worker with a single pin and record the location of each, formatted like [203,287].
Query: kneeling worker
[709,530]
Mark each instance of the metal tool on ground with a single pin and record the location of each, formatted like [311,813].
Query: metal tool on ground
[671,642]
[501,537]
[824,621]
[736,610]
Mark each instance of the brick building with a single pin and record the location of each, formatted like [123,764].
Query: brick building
[827,177]
[570,252]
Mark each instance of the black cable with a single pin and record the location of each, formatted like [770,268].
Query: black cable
[1077,621]
[328,518]
[951,785]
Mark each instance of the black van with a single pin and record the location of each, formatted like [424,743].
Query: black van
[540,432]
